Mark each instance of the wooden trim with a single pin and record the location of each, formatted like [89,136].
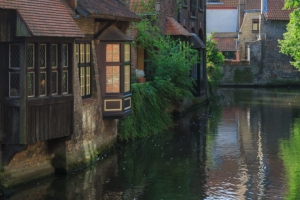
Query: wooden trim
[23,93]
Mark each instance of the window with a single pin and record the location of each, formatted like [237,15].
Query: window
[229,55]
[113,68]
[255,25]
[127,66]
[14,70]
[46,75]
[193,7]
[200,4]
[83,59]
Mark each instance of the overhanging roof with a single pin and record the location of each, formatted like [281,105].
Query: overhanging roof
[44,17]
[113,34]
[106,9]
[197,43]
[174,28]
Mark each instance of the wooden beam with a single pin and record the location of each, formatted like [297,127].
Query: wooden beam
[103,29]
[23,95]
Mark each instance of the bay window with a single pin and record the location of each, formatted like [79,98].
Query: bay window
[115,71]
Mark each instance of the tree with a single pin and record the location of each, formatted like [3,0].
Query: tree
[290,45]
[214,62]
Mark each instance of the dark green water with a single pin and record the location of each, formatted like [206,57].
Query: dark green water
[247,146]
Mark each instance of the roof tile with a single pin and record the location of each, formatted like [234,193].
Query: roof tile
[226,44]
[109,8]
[223,4]
[44,17]
[174,28]
[275,11]
[252,4]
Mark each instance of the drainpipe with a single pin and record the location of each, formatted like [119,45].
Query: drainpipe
[260,19]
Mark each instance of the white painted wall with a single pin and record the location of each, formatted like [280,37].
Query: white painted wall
[221,20]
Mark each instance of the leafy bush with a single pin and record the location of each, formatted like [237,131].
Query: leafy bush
[214,62]
[148,116]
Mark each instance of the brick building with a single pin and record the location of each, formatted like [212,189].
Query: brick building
[65,79]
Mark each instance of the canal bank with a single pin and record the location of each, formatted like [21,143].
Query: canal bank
[242,147]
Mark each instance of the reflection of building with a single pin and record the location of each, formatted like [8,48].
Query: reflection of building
[246,155]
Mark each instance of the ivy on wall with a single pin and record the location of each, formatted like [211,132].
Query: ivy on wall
[243,76]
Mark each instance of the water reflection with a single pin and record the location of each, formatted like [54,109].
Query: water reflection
[245,146]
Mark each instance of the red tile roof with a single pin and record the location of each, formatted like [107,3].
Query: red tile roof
[174,28]
[275,11]
[107,9]
[252,4]
[226,44]
[223,4]
[44,17]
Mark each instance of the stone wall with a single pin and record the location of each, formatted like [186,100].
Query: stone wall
[269,66]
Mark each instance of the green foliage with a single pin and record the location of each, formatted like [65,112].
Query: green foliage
[289,151]
[243,76]
[290,45]
[169,81]
[214,62]
[170,66]
[170,61]
[148,115]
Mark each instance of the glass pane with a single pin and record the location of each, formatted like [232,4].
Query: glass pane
[82,52]
[127,52]
[14,56]
[88,53]
[30,56]
[82,81]
[54,55]
[65,82]
[14,84]
[112,79]
[54,84]
[77,52]
[64,55]
[88,80]
[126,78]
[112,53]
[30,84]
[43,84]
[43,55]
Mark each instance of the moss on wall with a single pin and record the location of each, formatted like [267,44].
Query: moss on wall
[243,76]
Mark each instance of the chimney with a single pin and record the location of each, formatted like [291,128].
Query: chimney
[72,4]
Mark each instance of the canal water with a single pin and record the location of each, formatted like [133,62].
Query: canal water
[245,145]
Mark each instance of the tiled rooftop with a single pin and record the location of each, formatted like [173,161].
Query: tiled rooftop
[225,34]
[174,28]
[252,4]
[223,4]
[44,17]
[275,11]
[226,44]
[108,9]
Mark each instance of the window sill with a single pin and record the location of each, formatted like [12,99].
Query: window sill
[200,9]
[184,6]
[89,101]
[193,17]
